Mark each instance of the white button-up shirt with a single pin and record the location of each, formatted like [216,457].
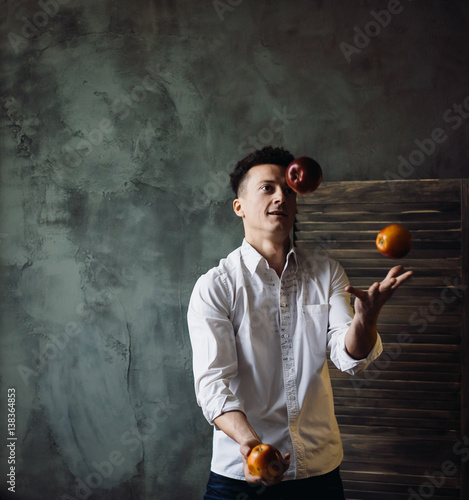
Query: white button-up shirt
[259,346]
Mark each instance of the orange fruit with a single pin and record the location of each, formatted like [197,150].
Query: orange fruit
[266,461]
[394,241]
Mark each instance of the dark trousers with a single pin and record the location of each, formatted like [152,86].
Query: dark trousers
[326,487]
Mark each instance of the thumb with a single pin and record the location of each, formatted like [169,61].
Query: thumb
[355,291]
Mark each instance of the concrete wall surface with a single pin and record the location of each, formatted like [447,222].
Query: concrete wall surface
[120,122]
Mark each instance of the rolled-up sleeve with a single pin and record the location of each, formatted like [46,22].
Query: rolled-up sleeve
[213,342]
[346,363]
[340,319]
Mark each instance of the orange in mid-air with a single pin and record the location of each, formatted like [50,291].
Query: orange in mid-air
[266,461]
[394,241]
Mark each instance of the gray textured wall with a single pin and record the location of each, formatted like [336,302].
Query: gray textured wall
[120,122]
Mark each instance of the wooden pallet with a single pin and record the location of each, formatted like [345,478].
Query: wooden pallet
[405,417]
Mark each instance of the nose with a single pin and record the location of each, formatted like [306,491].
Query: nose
[280,195]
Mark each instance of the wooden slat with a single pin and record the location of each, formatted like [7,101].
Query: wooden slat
[431,276]
[400,433]
[347,234]
[368,463]
[383,218]
[448,489]
[408,422]
[422,338]
[380,192]
[418,335]
[374,491]
[374,226]
[330,247]
[425,299]
[390,477]
[370,252]
[409,366]
[396,392]
[387,374]
[314,206]
[372,495]
[404,313]
[354,401]
[398,348]
[400,413]
[396,482]
[437,388]
[365,279]
[426,292]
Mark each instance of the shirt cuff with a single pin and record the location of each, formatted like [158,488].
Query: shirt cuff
[353,366]
[212,411]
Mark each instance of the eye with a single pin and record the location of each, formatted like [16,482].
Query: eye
[288,190]
[266,188]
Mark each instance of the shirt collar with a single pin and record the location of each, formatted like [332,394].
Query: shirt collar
[252,257]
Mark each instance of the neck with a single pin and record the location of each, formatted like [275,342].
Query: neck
[275,252]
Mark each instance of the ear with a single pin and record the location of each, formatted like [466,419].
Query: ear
[238,210]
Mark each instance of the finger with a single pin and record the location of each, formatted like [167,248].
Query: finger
[361,294]
[253,479]
[403,277]
[250,478]
[387,284]
[394,271]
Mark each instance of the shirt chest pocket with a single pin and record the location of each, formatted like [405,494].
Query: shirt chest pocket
[316,318]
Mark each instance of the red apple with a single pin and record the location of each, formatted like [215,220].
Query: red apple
[266,461]
[304,175]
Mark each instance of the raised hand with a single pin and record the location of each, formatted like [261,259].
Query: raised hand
[362,335]
[368,303]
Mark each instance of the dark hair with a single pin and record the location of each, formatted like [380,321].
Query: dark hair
[267,155]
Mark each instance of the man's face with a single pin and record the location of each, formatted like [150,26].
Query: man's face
[266,203]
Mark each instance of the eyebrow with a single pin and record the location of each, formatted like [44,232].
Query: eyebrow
[273,181]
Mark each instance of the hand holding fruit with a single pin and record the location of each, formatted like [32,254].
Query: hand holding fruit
[264,463]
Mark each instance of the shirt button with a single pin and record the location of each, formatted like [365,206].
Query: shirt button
[283,304]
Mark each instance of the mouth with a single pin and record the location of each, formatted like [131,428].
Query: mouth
[278,213]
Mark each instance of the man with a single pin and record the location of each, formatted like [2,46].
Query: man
[260,325]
